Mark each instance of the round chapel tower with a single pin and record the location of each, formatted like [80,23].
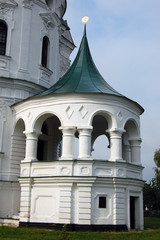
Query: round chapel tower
[84,192]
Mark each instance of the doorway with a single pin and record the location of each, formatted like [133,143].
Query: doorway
[133,212]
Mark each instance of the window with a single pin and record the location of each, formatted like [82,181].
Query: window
[49,142]
[3,37]
[45,46]
[102,202]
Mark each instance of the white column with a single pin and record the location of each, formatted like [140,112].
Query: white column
[126,153]
[31,146]
[85,143]
[116,144]
[135,150]
[68,143]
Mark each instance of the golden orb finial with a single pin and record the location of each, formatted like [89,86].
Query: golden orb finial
[85,19]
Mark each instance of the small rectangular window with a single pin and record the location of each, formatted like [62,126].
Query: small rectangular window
[102,202]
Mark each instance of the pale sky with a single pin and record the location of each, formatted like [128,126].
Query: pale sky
[124,39]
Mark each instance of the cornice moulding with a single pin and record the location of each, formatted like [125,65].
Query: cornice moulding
[40,3]
[8,4]
[48,19]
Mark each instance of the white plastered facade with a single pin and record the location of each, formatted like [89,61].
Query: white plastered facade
[66,190]
[22,75]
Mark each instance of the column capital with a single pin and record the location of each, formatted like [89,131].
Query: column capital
[85,131]
[118,131]
[67,129]
[85,128]
[32,134]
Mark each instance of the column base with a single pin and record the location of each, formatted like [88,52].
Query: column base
[85,158]
[117,160]
[66,158]
[29,160]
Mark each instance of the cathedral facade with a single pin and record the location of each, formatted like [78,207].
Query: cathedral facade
[45,104]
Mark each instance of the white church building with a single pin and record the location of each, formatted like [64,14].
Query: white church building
[45,105]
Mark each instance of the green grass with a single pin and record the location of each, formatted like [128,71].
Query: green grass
[152,232]
[152,222]
[7,233]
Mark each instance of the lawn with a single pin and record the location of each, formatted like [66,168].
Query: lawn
[152,232]
[152,222]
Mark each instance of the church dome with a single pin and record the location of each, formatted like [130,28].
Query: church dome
[83,77]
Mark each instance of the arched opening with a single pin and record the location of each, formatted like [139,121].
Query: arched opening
[50,141]
[100,138]
[3,37]
[100,143]
[132,129]
[18,147]
[45,52]
[131,142]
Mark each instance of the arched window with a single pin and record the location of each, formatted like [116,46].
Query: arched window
[45,48]
[3,37]
[50,141]
[100,138]
[18,147]
[131,143]
[101,148]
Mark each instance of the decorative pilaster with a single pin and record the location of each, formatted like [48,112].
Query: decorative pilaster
[141,213]
[68,140]
[116,144]
[65,202]
[85,143]
[1,157]
[119,206]
[135,150]
[25,201]
[25,38]
[3,118]
[84,203]
[31,146]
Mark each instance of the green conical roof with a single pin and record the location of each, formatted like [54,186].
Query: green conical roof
[82,76]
